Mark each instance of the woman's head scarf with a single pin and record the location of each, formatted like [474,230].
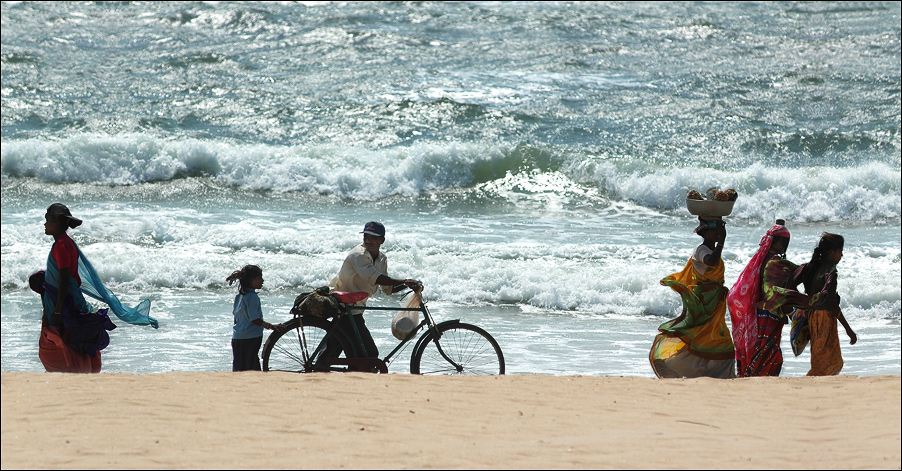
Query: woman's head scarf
[746,292]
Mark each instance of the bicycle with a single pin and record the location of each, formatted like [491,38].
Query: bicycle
[449,347]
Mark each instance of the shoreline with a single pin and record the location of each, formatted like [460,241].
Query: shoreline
[266,420]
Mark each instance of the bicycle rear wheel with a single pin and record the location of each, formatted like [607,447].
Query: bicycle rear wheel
[293,349]
[473,351]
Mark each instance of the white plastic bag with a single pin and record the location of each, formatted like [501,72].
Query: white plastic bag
[406,321]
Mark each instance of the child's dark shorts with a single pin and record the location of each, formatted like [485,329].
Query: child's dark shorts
[245,354]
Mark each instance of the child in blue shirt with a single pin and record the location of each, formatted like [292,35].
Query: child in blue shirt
[247,332]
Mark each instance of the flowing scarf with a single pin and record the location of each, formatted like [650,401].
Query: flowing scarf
[745,294]
[92,286]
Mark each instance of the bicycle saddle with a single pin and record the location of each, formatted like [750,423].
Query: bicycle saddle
[350,298]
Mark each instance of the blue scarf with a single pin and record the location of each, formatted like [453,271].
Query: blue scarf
[93,287]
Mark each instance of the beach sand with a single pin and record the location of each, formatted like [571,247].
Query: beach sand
[356,420]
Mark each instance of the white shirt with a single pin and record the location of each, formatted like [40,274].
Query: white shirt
[359,272]
[698,259]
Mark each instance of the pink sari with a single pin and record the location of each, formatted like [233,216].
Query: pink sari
[745,294]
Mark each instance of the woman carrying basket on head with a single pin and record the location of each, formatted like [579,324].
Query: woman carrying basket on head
[697,343]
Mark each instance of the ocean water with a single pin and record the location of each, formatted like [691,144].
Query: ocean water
[529,160]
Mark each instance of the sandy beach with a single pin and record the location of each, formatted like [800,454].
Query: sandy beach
[265,420]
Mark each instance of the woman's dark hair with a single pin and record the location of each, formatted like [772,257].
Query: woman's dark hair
[827,243]
[60,212]
[778,239]
[244,277]
[36,282]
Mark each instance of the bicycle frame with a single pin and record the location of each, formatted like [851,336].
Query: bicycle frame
[382,364]
[448,347]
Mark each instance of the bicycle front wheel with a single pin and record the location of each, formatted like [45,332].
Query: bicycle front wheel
[468,350]
[298,348]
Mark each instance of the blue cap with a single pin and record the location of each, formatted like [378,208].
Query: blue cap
[374,228]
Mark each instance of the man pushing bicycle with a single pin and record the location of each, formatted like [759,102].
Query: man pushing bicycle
[325,324]
[365,269]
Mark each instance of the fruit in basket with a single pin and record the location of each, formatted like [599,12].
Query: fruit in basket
[713,194]
[715,205]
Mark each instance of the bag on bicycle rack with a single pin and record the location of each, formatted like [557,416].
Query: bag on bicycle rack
[406,321]
[318,303]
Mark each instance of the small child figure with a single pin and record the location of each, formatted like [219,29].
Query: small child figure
[247,333]
[820,279]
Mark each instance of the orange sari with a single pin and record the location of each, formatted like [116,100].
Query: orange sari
[826,357]
[698,342]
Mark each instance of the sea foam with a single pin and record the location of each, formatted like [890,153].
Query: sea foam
[863,192]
